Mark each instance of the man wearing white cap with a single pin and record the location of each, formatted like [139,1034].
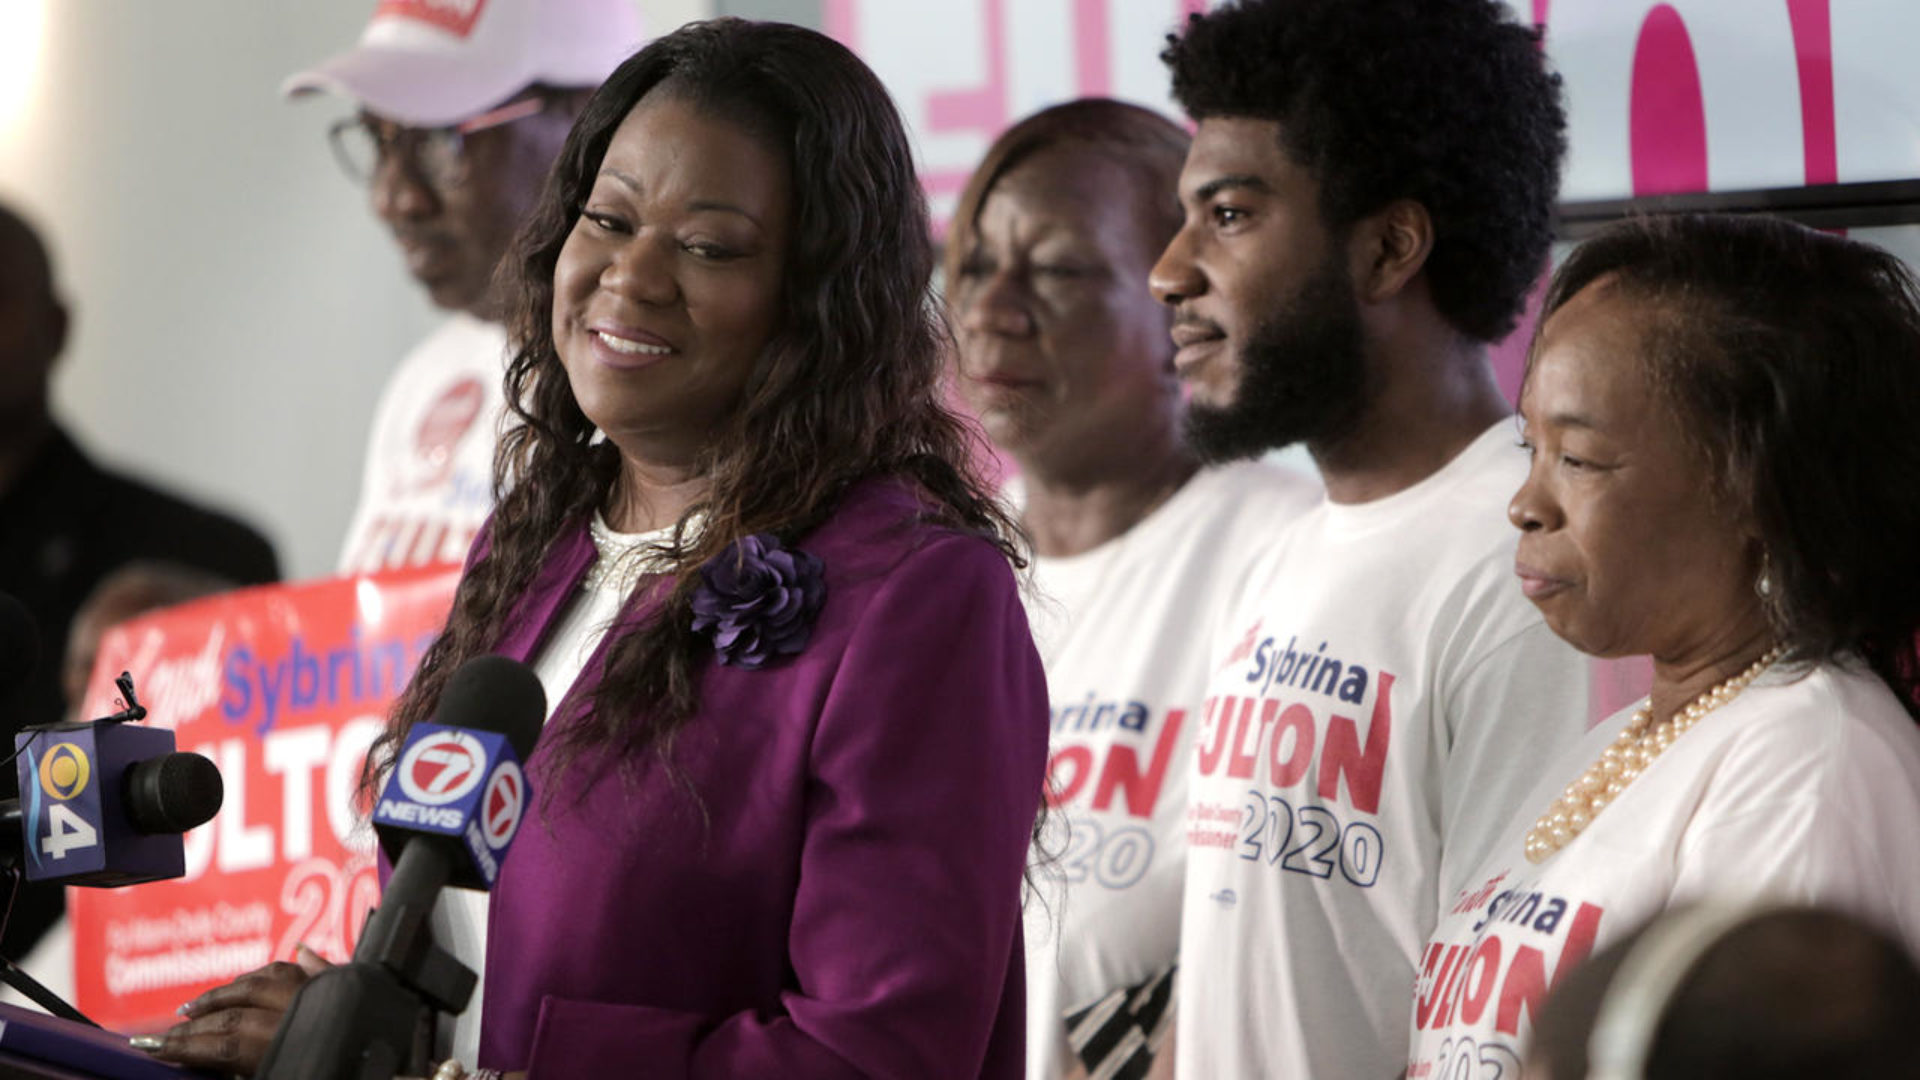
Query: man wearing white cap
[463,106]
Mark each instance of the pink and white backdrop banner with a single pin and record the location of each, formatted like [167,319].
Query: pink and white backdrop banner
[1686,95]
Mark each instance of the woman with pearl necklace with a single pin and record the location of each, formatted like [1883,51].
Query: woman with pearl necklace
[1719,415]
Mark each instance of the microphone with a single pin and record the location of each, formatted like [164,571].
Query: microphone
[460,778]
[172,793]
[168,794]
[448,811]
[104,804]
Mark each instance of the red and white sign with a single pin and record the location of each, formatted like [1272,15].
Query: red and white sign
[284,687]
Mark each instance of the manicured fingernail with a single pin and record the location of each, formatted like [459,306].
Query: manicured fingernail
[146,1042]
[185,1010]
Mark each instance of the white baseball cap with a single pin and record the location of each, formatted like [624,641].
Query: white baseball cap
[429,63]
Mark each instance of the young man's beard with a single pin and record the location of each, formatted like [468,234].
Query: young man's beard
[1302,377]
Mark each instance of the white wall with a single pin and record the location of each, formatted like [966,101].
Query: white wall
[236,305]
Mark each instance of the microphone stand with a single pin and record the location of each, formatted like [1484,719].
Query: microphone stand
[367,1019]
[15,976]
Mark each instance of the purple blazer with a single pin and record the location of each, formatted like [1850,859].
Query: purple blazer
[842,898]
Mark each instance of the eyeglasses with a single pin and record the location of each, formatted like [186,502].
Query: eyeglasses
[437,156]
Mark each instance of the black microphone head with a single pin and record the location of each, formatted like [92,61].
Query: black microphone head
[19,642]
[172,793]
[493,693]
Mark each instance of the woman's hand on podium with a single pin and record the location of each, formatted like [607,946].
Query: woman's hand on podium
[229,1027]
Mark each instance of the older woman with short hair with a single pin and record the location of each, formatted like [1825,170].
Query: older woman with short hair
[1064,354]
[1721,416]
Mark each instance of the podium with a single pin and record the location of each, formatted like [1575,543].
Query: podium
[35,1046]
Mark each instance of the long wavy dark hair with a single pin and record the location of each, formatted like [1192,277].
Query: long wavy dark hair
[1792,361]
[847,389]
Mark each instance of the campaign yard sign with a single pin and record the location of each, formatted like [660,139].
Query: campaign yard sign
[284,687]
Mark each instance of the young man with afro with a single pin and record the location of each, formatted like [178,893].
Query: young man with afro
[1368,200]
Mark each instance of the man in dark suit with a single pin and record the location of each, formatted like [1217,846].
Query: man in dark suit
[66,522]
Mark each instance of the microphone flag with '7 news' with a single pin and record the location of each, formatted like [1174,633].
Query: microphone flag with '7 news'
[104,803]
[463,782]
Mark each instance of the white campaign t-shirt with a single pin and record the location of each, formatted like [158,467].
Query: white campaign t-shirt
[1120,630]
[1384,699]
[427,485]
[1801,789]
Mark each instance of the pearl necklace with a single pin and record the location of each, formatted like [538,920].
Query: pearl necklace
[1628,756]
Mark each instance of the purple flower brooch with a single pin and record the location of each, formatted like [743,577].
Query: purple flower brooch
[758,600]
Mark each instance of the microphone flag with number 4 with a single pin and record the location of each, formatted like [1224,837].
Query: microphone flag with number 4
[76,823]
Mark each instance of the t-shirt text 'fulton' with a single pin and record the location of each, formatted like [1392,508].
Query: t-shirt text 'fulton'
[1380,702]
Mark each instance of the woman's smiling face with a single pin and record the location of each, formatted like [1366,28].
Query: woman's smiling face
[671,283]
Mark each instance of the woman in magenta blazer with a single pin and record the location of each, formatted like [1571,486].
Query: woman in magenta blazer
[786,788]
